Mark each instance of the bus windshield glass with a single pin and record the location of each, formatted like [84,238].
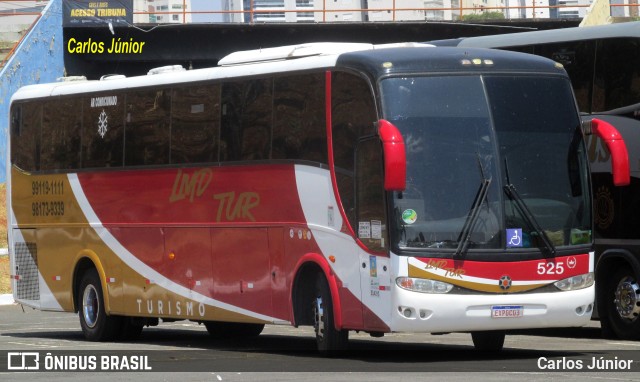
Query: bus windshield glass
[493,162]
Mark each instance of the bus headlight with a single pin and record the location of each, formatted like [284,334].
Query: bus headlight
[575,282]
[423,285]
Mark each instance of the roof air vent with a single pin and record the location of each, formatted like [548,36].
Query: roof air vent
[71,78]
[107,77]
[166,69]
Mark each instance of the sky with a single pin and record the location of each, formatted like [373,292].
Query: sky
[206,5]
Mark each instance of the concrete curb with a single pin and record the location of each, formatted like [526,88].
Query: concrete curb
[6,299]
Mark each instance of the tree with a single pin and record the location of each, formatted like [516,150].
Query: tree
[484,16]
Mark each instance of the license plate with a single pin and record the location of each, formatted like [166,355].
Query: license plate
[507,311]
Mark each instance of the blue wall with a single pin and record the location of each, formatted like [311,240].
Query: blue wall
[38,59]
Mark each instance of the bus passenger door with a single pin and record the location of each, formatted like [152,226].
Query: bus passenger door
[371,230]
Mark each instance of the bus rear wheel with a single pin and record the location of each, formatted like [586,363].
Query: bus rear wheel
[622,303]
[330,341]
[96,324]
[489,341]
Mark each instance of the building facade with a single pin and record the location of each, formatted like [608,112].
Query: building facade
[301,11]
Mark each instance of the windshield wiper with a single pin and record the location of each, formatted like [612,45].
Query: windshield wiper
[512,193]
[474,212]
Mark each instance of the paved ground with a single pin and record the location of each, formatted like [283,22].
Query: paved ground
[183,351]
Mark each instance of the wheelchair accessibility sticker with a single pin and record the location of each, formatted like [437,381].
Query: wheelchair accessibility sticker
[514,237]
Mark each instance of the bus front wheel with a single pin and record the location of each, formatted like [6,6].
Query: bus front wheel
[96,324]
[329,340]
[623,304]
[489,341]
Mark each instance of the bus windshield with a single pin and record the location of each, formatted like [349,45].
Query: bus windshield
[493,162]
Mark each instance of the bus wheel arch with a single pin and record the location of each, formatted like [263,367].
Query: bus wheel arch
[618,297]
[90,303]
[83,265]
[315,302]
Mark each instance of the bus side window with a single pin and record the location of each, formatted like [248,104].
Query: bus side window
[299,130]
[61,122]
[617,82]
[353,116]
[16,120]
[578,60]
[103,130]
[147,128]
[25,146]
[370,195]
[195,124]
[246,120]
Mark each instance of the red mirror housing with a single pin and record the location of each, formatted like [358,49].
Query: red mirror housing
[618,149]
[395,159]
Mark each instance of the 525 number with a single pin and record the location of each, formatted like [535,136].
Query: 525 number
[551,268]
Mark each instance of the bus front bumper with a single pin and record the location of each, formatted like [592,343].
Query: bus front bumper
[432,313]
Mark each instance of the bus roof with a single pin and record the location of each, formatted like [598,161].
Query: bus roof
[305,50]
[445,59]
[377,60]
[629,29]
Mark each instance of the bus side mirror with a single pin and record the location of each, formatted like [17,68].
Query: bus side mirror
[618,149]
[395,159]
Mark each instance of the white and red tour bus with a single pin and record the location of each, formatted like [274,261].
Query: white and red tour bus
[402,188]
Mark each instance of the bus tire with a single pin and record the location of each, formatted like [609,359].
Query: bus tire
[622,304]
[329,340]
[221,330]
[96,324]
[488,341]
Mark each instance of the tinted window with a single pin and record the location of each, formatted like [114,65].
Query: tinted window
[61,132]
[540,141]
[25,140]
[617,81]
[578,59]
[299,130]
[446,126]
[246,120]
[102,130]
[372,217]
[147,128]
[353,116]
[195,124]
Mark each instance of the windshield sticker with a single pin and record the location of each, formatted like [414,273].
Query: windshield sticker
[409,216]
[514,237]
[364,230]
[103,125]
[376,229]
[373,266]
